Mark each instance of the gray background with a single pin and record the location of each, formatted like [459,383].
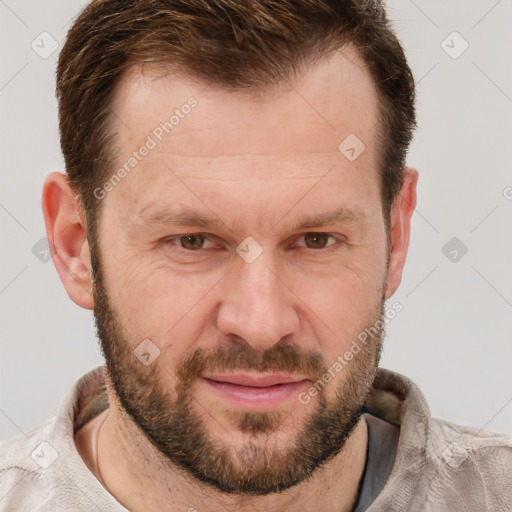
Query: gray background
[453,337]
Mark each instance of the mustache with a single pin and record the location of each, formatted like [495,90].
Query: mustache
[282,357]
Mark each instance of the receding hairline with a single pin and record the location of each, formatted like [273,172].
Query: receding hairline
[140,69]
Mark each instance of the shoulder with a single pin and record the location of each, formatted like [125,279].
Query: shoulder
[458,446]
[466,468]
[25,482]
[439,465]
[41,469]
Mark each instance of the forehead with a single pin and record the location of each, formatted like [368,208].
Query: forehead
[292,132]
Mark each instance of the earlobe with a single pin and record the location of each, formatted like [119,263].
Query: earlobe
[401,214]
[66,232]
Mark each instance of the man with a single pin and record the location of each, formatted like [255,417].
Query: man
[236,212]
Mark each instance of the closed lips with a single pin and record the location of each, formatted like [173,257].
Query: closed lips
[263,381]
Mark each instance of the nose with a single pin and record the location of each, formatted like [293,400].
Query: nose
[257,306]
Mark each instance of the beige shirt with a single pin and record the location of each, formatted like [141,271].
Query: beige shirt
[438,467]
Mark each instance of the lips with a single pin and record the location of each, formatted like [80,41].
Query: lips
[255,392]
[262,381]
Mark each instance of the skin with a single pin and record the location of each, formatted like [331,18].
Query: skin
[260,163]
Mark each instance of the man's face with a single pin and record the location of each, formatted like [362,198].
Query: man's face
[251,252]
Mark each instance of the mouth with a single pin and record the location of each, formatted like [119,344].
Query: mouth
[255,392]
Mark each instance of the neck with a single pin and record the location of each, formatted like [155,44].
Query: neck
[139,477]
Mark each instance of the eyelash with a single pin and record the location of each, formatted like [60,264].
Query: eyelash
[172,241]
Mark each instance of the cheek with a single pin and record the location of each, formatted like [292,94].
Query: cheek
[158,303]
[346,296]
[342,307]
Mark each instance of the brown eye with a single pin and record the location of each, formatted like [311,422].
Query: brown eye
[317,240]
[191,242]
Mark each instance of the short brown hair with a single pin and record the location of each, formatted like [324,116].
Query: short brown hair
[237,44]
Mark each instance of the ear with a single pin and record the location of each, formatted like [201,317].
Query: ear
[401,213]
[66,233]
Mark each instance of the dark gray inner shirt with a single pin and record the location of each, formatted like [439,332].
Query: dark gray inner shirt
[380,455]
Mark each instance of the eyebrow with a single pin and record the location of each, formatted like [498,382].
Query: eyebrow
[177,217]
[339,216]
[185,217]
